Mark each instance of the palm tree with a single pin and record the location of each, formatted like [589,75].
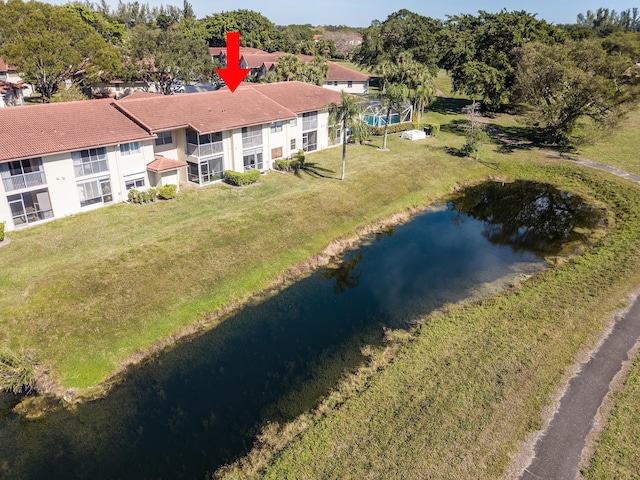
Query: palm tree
[394,98]
[346,116]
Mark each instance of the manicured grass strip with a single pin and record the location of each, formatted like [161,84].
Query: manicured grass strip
[456,400]
[618,452]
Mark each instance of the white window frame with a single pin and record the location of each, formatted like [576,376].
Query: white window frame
[104,197]
[162,138]
[276,127]
[89,162]
[129,149]
[135,183]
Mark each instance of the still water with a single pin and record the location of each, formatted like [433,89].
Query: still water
[200,404]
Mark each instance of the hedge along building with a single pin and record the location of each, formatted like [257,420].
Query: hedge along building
[60,159]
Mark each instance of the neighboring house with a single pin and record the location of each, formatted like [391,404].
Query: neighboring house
[64,158]
[220,53]
[11,94]
[338,78]
[118,88]
[343,78]
[9,74]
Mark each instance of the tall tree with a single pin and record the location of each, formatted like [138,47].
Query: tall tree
[395,98]
[476,51]
[566,83]
[402,31]
[347,116]
[51,45]
[167,57]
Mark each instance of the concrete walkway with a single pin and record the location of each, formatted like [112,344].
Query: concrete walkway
[559,448]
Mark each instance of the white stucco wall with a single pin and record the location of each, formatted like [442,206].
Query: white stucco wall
[357,88]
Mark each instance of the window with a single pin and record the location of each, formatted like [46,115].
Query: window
[164,138]
[88,162]
[349,84]
[276,153]
[134,183]
[309,121]
[127,149]
[293,144]
[293,122]
[276,127]
[310,141]
[251,136]
[95,191]
[335,83]
[252,159]
[30,207]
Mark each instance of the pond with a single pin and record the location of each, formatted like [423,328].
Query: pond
[201,404]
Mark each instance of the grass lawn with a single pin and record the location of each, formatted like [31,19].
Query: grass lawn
[451,400]
[89,291]
[455,398]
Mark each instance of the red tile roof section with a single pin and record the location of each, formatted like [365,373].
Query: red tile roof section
[4,67]
[297,96]
[37,130]
[255,60]
[216,51]
[164,164]
[341,73]
[207,112]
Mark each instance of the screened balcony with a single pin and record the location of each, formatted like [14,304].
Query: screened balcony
[21,174]
[206,145]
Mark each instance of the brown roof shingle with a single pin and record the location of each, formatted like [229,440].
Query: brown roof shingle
[164,164]
[36,130]
[251,104]
[340,73]
[298,97]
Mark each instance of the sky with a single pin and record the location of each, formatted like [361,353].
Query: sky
[360,13]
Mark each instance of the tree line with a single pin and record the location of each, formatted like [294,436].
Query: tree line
[562,73]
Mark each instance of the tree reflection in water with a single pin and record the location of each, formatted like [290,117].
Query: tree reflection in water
[344,274]
[528,215]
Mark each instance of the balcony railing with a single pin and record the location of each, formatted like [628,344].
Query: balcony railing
[205,150]
[24,180]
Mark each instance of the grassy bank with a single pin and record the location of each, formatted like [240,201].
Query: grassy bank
[459,395]
[89,291]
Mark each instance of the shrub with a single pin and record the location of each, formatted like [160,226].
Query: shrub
[167,192]
[17,371]
[1,231]
[239,179]
[402,127]
[287,165]
[146,196]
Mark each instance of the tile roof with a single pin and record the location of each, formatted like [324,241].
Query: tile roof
[207,112]
[341,73]
[298,97]
[37,130]
[255,60]
[164,164]
[216,51]
[4,67]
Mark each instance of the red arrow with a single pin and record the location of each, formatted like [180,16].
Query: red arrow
[233,74]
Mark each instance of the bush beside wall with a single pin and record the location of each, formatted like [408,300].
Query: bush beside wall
[1,231]
[167,192]
[146,196]
[238,179]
